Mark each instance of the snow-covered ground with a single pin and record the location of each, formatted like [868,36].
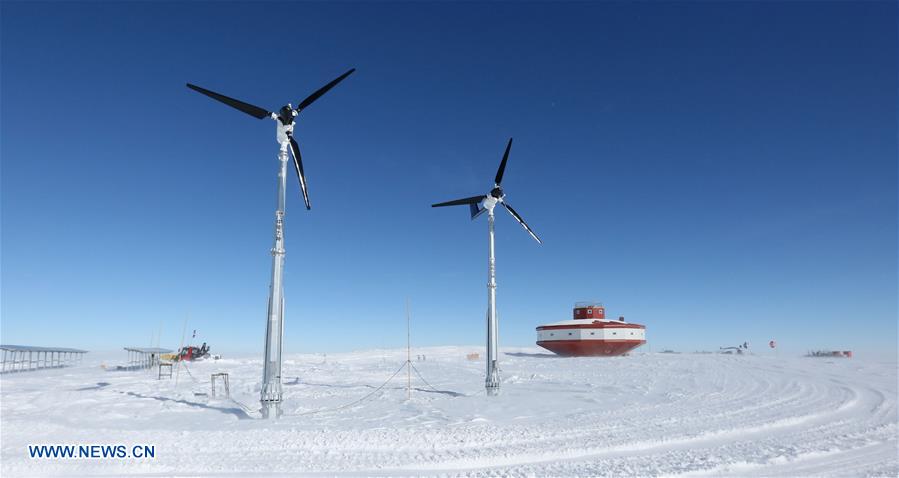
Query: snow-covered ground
[643,415]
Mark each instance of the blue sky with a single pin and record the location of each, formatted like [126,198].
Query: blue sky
[717,172]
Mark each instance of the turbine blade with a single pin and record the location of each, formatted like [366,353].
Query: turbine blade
[324,89]
[502,165]
[521,221]
[247,108]
[459,202]
[298,165]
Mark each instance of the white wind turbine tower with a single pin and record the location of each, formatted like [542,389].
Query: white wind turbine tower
[479,204]
[284,119]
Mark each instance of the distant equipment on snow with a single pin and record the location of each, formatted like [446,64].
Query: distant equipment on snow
[739,349]
[830,353]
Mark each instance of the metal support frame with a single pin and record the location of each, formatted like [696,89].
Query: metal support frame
[271,394]
[168,367]
[225,385]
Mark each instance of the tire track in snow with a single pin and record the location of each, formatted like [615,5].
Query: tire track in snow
[854,398]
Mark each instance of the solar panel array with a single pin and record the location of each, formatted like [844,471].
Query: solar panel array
[21,358]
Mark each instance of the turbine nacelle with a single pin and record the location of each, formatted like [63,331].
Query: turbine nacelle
[490,202]
[284,132]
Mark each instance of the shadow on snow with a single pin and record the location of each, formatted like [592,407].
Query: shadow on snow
[237,412]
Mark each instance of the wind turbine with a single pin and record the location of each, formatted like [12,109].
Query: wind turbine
[479,204]
[271,394]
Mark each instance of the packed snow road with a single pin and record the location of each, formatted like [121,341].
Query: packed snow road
[644,415]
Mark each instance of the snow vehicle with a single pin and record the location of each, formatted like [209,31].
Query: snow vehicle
[191,352]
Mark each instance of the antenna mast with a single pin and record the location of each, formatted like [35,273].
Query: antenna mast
[178,353]
[408,353]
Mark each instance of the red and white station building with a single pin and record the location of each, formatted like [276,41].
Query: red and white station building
[589,333]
